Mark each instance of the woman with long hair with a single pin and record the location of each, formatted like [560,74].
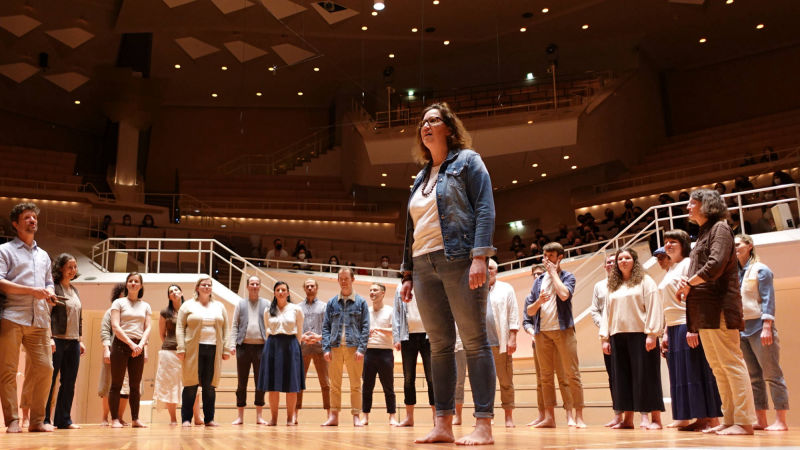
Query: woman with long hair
[632,322]
[168,374]
[759,339]
[692,385]
[449,229]
[104,385]
[130,321]
[66,325]
[282,361]
[201,333]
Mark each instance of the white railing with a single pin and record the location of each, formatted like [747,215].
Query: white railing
[269,163]
[320,267]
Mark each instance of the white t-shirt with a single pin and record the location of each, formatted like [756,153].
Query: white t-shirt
[131,316]
[425,215]
[208,334]
[380,319]
[674,311]
[413,318]
[548,312]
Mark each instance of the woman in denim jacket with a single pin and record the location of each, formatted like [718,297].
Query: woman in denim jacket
[449,230]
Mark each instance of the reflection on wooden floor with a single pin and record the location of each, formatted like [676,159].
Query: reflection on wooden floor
[378,435]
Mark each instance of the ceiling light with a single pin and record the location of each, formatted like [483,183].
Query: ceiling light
[258,94]
[410,92]
[374,13]
[316,69]
[566,156]
[391,55]
[413,177]
[224,68]
[760,26]
[728,2]
[446,42]
[414,30]
[77,102]
[384,175]
[177,66]
[214,94]
[585,26]
[403,130]
[703,40]
[300,93]
[530,122]
[378,5]
[523,29]
[364,28]
[545,10]
[574,167]
[513,181]
[271,68]
[544,174]
[535,165]
[435,2]
[529,76]
[383,184]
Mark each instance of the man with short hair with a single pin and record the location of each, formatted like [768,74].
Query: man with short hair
[277,252]
[27,282]
[345,331]
[502,324]
[554,329]
[599,297]
[379,359]
[247,342]
[311,343]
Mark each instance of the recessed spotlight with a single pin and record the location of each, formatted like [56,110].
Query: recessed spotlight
[585,26]
[435,2]
[414,30]
[364,28]
[702,40]
[316,69]
[224,68]
[214,94]
[413,177]
[535,165]
[300,93]
[258,94]
[544,174]
[545,10]
[271,68]
[566,156]
[391,55]
[410,92]
[177,66]
[446,42]
[529,76]
[403,130]
[530,122]
[377,5]
[384,175]
[728,2]
[574,167]
[523,29]
[513,181]
[374,13]
[383,184]
[760,26]
[77,102]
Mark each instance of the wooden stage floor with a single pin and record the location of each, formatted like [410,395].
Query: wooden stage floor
[377,435]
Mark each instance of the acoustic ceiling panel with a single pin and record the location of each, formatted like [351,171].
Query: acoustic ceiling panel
[71,37]
[195,48]
[18,25]
[229,6]
[291,54]
[243,51]
[18,72]
[282,8]
[69,81]
[176,3]
[333,12]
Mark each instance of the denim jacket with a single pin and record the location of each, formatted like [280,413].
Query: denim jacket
[400,322]
[563,307]
[465,202]
[354,315]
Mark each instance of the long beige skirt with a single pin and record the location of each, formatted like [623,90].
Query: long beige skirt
[168,378]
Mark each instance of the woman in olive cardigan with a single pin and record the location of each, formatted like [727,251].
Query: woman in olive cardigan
[201,332]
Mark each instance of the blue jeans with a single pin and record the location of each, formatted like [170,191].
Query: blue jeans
[441,286]
[764,365]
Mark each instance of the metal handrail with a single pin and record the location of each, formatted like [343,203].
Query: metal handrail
[332,268]
[311,144]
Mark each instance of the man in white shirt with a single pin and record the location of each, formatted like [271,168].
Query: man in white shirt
[247,342]
[502,324]
[277,252]
[379,359]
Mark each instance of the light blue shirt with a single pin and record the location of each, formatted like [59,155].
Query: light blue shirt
[26,266]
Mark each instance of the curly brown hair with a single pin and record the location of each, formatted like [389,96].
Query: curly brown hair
[615,280]
[459,136]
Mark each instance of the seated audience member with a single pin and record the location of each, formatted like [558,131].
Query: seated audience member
[536,249]
[516,244]
[735,222]
[301,261]
[778,178]
[334,261]
[277,252]
[126,220]
[749,160]
[521,255]
[768,155]
[628,215]
[539,234]
[148,222]
[765,223]
[562,231]
[384,266]
[577,250]
[301,247]
[608,217]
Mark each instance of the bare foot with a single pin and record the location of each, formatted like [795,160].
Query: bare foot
[509,422]
[713,430]
[238,421]
[580,424]
[654,426]
[407,422]
[697,425]
[72,426]
[291,423]
[457,420]
[357,421]
[759,426]
[437,434]
[777,426]
[271,423]
[212,424]
[546,423]
[137,424]
[186,424]
[332,421]
[199,421]
[41,428]
[116,424]
[481,435]
[614,421]
[622,426]
[393,420]
[570,422]
[25,423]
[261,421]
[104,423]
[14,427]
[736,430]
[173,424]
[679,424]
[364,420]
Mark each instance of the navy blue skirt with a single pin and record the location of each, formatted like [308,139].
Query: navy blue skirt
[281,365]
[691,383]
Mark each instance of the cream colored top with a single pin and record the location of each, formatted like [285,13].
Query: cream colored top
[674,310]
[548,311]
[633,309]
[425,214]
[132,316]
[288,320]
[380,320]
[187,333]
[413,318]
[211,314]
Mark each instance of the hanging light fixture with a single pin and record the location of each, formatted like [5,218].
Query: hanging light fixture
[378,5]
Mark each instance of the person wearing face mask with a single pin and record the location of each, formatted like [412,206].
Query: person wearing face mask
[302,260]
[276,253]
[383,266]
[301,247]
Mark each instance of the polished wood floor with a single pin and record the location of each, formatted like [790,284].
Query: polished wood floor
[378,435]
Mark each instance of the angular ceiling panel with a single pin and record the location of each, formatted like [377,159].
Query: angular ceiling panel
[282,8]
[18,72]
[291,54]
[243,51]
[72,37]
[69,81]
[176,3]
[229,6]
[333,12]
[18,25]
[195,48]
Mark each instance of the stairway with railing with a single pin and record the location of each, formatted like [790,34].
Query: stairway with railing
[280,161]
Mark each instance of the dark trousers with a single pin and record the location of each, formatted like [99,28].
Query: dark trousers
[65,361]
[205,372]
[417,344]
[610,371]
[380,362]
[637,374]
[248,355]
[314,353]
[121,360]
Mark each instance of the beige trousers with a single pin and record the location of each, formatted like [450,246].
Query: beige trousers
[504,368]
[563,386]
[37,382]
[345,356]
[562,342]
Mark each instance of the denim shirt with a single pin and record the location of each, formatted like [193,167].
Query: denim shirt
[352,314]
[466,208]
[400,322]
[563,307]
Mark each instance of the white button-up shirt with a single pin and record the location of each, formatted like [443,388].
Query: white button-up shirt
[26,266]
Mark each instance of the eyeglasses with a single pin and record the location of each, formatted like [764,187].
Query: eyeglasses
[431,121]
[206,285]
